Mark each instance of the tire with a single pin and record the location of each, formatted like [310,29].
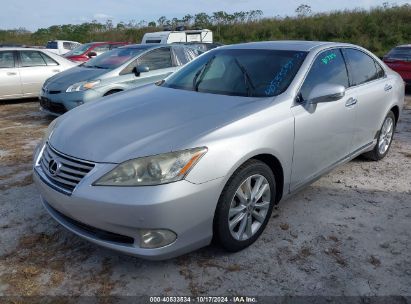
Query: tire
[384,139]
[231,239]
[112,92]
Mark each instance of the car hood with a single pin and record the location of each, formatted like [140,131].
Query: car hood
[71,76]
[146,121]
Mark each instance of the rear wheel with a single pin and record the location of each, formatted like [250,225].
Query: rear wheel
[384,139]
[245,206]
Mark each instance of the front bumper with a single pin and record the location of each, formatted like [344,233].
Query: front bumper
[59,102]
[112,216]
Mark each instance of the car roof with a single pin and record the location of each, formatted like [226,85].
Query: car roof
[289,45]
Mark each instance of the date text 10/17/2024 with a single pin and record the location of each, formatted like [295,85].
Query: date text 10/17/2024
[203,299]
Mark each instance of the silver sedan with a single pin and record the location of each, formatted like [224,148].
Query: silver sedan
[23,71]
[114,71]
[162,170]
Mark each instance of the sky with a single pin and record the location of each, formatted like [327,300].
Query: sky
[34,14]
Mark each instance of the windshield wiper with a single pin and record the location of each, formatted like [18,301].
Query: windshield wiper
[247,79]
[201,73]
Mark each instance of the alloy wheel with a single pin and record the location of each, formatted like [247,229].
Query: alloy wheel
[249,207]
[386,134]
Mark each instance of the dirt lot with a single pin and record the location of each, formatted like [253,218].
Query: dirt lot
[347,234]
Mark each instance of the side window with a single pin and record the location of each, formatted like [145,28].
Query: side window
[380,71]
[328,67]
[128,69]
[7,60]
[31,59]
[67,45]
[362,67]
[157,59]
[101,48]
[48,60]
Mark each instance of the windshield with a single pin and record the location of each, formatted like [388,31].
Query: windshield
[114,58]
[79,50]
[51,45]
[239,72]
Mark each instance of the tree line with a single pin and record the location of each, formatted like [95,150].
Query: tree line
[377,29]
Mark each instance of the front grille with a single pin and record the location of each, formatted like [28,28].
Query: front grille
[52,106]
[95,232]
[62,170]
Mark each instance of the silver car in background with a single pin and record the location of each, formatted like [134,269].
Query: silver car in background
[23,71]
[112,72]
[162,170]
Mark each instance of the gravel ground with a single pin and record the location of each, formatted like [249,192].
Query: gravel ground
[347,234]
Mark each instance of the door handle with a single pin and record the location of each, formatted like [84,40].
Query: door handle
[351,102]
[11,73]
[387,87]
[56,71]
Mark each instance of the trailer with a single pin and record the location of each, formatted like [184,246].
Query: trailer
[167,37]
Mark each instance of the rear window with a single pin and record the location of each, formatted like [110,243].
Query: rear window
[52,45]
[400,53]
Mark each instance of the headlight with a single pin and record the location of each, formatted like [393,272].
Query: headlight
[153,170]
[82,86]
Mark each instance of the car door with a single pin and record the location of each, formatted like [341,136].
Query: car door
[10,84]
[157,60]
[323,132]
[372,90]
[35,68]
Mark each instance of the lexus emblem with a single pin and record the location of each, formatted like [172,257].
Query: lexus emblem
[54,167]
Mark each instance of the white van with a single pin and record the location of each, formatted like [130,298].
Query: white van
[166,37]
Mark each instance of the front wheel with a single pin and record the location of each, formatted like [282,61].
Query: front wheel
[384,139]
[245,206]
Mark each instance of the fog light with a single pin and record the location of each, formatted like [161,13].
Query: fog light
[156,238]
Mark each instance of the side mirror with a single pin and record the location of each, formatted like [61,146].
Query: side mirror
[91,54]
[325,93]
[137,70]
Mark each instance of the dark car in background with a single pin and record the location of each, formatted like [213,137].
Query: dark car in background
[399,59]
[88,50]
